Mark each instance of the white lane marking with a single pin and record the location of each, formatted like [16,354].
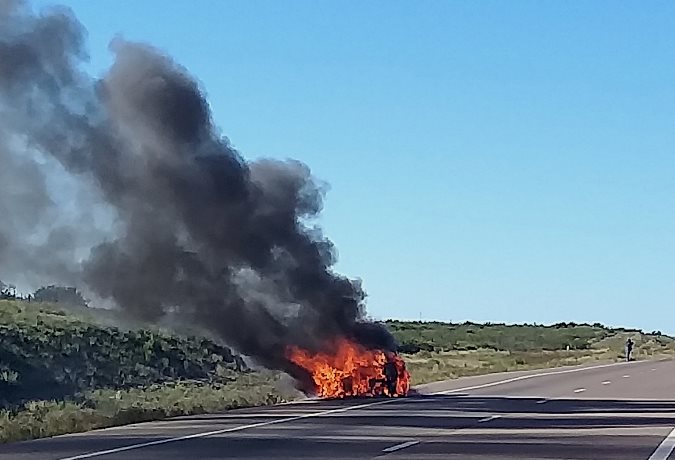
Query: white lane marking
[317,414]
[529,376]
[489,419]
[606,382]
[626,376]
[665,448]
[403,445]
[653,369]
[580,390]
[100,453]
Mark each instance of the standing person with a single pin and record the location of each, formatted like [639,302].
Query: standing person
[391,375]
[629,348]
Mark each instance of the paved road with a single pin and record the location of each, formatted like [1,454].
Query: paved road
[624,411]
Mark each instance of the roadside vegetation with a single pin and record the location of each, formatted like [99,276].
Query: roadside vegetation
[436,351]
[67,368]
[106,408]
[60,373]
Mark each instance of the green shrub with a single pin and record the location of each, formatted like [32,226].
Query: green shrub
[414,337]
[47,356]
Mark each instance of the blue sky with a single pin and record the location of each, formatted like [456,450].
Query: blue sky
[488,161]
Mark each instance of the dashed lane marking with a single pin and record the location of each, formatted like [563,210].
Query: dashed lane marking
[403,445]
[489,419]
[529,376]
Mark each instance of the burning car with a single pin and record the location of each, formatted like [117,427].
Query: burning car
[352,370]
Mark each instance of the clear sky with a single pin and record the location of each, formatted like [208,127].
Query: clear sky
[488,161]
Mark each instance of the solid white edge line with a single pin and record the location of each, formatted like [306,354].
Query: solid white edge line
[529,376]
[403,445]
[666,447]
[217,432]
[317,414]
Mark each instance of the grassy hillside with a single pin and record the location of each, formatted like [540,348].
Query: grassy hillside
[61,373]
[47,354]
[436,351]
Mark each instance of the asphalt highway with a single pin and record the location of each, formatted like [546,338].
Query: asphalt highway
[619,411]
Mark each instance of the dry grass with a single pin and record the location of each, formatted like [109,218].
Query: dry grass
[433,366]
[106,408]
[453,364]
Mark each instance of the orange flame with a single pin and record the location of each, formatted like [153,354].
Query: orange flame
[351,370]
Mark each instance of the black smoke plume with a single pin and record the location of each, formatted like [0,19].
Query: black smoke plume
[123,186]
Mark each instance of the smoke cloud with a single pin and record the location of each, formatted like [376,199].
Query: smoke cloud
[124,187]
